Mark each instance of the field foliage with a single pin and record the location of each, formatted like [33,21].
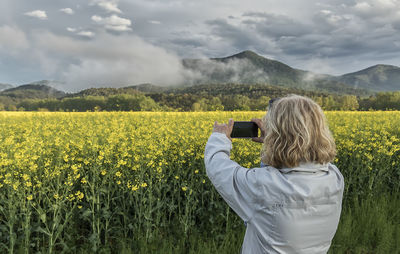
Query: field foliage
[134,182]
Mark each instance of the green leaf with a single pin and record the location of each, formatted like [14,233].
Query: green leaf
[43,217]
[42,230]
[86,213]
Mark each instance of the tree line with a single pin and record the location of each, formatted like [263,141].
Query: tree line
[196,102]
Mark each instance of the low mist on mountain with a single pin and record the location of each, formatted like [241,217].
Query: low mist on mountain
[247,68]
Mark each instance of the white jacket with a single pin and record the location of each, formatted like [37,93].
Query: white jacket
[289,210]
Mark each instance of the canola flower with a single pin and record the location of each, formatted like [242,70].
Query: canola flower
[149,165]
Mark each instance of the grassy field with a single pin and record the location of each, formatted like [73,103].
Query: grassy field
[134,182]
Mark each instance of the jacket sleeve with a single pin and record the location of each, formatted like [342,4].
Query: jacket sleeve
[236,184]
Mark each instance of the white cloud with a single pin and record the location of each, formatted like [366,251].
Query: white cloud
[108,60]
[108,5]
[71,29]
[231,71]
[12,39]
[318,65]
[113,22]
[80,32]
[68,11]
[373,8]
[387,3]
[155,22]
[37,14]
[330,17]
[377,13]
[362,7]
[97,19]
[88,34]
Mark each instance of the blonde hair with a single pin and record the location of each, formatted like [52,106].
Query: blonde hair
[296,132]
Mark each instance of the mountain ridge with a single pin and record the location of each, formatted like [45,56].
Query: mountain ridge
[246,67]
[253,68]
[35,90]
[4,86]
[379,77]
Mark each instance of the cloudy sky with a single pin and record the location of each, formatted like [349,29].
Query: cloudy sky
[98,43]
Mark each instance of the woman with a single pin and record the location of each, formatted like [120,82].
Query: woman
[292,203]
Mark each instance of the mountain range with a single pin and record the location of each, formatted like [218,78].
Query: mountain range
[38,90]
[245,67]
[4,86]
[375,78]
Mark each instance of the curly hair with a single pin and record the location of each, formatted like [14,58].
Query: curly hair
[296,132]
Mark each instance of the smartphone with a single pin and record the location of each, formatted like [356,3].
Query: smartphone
[244,130]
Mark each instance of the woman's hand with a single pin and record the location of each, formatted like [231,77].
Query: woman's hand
[224,128]
[261,126]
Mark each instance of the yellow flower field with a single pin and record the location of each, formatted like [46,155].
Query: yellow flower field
[106,175]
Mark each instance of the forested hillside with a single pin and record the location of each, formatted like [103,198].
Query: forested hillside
[197,98]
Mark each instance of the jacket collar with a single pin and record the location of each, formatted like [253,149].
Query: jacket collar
[307,167]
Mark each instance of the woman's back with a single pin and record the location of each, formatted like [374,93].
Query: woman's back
[301,211]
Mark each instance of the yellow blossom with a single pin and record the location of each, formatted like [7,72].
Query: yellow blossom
[79,195]
[71,197]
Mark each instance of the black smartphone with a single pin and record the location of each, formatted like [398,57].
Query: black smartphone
[244,130]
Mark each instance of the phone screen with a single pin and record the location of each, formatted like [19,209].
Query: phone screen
[244,130]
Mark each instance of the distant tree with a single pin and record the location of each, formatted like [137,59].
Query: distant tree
[260,103]
[11,107]
[6,100]
[91,102]
[318,100]
[236,102]
[381,101]
[196,106]
[127,102]
[147,103]
[242,102]
[349,102]
[329,103]
[51,104]
[215,104]
[74,104]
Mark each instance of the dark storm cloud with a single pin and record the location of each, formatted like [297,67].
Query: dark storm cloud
[272,25]
[238,36]
[336,33]
[191,42]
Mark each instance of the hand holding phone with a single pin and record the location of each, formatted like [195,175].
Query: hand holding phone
[242,129]
[224,128]
[261,127]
